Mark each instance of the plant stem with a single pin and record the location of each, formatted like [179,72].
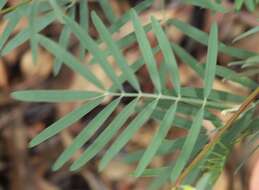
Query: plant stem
[217,137]
[173,98]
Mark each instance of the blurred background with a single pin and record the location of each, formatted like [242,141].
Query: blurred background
[22,168]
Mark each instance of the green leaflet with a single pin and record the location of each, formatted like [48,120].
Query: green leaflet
[250,5]
[203,38]
[154,171]
[247,33]
[188,59]
[187,148]
[165,125]
[92,47]
[160,179]
[170,61]
[12,22]
[2,4]
[125,136]
[202,184]
[129,39]
[24,35]
[210,69]
[180,122]
[32,29]
[106,135]
[84,22]
[235,77]
[250,62]
[163,75]
[57,10]
[135,67]
[146,51]
[54,95]
[166,147]
[238,4]
[124,42]
[64,122]
[107,9]
[127,16]
[69,60]
[86,134]
[63,41]
[220,70]
[116,52]
[249,72]
[191,110]
[206,4]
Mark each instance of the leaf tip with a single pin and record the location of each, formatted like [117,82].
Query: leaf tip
[32,143]
[136,174]
[15,95]
[133,13]
[56,167]
[74,167]
[101,166]
[93,14]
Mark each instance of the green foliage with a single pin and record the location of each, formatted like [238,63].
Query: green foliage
[2,4]
[247,33]
[146,52]
[180,107]
[207,4]
[117,54]
[170,61]
[210,69]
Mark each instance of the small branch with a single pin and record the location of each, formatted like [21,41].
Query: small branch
[173,98]
[217,137]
